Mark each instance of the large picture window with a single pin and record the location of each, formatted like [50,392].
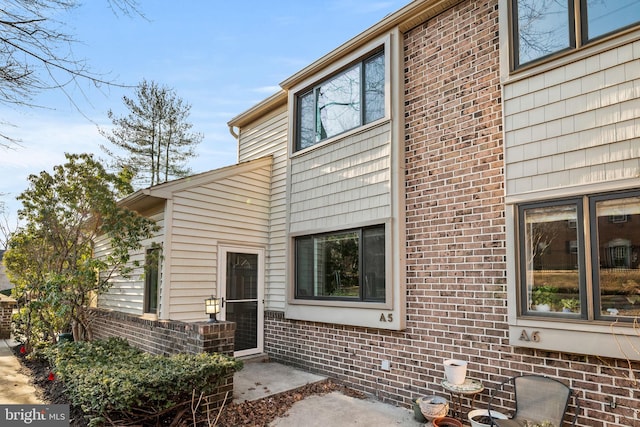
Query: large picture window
[554,238]
[544,27]
[349,99]
[344,265]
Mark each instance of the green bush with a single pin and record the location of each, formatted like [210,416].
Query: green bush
[32,324]
[544,294]
[106,377]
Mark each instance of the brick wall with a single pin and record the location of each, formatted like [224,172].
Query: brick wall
[455,225]
[7,304]
[171,337]
[456,245]
[164,336]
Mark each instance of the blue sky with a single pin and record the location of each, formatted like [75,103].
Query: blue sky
[220,56]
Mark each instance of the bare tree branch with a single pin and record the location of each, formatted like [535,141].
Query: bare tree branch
[36,53]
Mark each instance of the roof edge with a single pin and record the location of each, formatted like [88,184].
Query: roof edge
[165,190]
[263,107]
[406,18]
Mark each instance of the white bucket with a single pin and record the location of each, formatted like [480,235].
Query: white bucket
[455,371]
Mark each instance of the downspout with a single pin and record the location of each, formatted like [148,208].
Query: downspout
[236,136]
[233,133]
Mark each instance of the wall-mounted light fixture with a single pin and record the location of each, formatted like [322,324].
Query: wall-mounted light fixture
[212,307]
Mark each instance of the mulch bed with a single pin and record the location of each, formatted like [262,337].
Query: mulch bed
[249,413]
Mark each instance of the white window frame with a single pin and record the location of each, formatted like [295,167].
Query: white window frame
[587,333]
[368,50]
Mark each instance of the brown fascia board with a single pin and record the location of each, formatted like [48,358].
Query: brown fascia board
[151,196]
[413,14]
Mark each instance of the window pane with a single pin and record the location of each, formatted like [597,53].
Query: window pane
[374,266]
[543,28]
[374,89]
[618,243]
[242,276]
[304,267]
[343,265]
[339,104]
[606,16]
[551,259]
[337,270]
[328,266]
[152,278]
[245,315]
[350,99]
[307,119]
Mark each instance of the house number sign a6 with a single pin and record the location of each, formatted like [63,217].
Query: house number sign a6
[534,336]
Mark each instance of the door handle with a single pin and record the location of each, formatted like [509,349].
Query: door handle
[222,302]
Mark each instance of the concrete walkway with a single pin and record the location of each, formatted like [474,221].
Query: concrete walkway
[15,387]
[337,409]
[262,379]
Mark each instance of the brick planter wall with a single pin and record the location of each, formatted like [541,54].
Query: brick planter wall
[164,337]
[7,304]
[456,245]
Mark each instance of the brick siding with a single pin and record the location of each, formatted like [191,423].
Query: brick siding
[164,336]
[7,304]
[456,245]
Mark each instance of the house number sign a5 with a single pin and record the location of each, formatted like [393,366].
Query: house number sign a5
[534,336]
[386,317]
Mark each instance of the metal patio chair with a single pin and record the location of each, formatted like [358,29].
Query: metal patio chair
[537,399]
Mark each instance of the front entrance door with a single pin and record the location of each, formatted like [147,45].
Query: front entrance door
[241,286]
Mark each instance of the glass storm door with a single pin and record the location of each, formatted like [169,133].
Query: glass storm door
[242,292]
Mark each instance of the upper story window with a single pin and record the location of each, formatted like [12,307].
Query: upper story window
[344,265]
[558,279]
[544,27]
[352,98]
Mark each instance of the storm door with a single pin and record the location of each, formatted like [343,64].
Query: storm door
[242,289]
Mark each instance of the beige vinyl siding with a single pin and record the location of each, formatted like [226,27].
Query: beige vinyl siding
[269,137]
[235,210]
[127,293]
[342,183]
[574,125]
